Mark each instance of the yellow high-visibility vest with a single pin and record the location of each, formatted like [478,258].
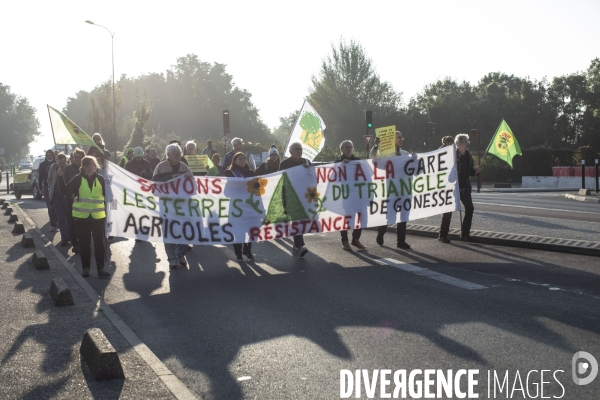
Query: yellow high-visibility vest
[90,201]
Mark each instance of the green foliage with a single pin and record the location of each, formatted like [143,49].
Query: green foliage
[140,117]
[187,101]
[346,86]
[587,153]
[18,124]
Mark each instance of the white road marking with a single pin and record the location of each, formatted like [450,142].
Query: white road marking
[450,280]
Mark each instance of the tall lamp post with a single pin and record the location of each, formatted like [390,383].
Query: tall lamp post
[112,43]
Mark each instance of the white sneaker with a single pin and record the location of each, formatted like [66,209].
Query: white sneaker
[303,251]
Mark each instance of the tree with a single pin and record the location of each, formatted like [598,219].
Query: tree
[281,134]
[187,103]
[140,117]
[346,86]
[18,124]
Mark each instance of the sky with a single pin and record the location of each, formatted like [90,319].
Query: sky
[272,49]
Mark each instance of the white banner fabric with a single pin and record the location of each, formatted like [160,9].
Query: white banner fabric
[330,197]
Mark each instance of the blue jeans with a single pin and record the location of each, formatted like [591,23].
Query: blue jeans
[174,250]
[51,213]
[61,209]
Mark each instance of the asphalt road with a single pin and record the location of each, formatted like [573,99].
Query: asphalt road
[282,327]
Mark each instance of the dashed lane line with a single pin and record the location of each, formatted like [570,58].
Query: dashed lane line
[450,280]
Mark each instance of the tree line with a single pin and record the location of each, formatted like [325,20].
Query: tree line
[186,102]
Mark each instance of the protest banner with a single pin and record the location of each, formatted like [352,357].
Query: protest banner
[330,197]
[387,140]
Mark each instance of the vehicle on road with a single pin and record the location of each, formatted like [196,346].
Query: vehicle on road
[29,182]
[25,164]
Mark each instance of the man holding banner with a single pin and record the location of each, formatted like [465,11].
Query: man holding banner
[466,168]
[172,167]
[401,226]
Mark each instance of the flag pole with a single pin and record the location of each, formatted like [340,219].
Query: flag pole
[51,126]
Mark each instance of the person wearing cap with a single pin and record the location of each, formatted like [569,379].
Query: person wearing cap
[272,163]
[138,165]
[400,226]
[237,147]
[127,157]
[208,150]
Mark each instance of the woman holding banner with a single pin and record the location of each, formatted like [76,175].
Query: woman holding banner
[239,168]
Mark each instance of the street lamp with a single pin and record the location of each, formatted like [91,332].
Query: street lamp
[112,36]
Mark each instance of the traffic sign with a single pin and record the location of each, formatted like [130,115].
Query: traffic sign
[224,141]
[368,138]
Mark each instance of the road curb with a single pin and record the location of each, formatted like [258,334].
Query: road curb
[573,246]
[173,383]
[582,198]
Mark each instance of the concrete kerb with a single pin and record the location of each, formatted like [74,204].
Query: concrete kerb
[27,240]
[174,384]
[18,227]
[533,242]
[590,199]
[100,356]
[60,293]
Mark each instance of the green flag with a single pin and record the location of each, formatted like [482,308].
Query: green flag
[504,144]
[66,132]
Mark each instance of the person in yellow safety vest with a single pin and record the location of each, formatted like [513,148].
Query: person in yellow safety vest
[126,158]
[87,189]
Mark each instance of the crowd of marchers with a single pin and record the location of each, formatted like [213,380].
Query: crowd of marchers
[74,189]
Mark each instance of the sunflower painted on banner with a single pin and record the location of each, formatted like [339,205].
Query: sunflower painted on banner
[504,144]
[256,187]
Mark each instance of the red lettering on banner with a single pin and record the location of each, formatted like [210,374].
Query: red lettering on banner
[389,170]
[143,186]
[326,225]
[202,185]
[314,227]
[375,169]
[175,185]
[321,175]
[359,172]
[267,230]
[216,182]
[335,224]
[255,234]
